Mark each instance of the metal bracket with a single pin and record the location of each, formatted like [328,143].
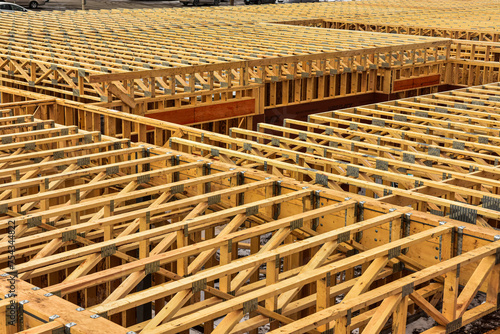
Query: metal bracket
[321,179]
[463,214]
[352,171]
[276,192]
[240,180]
[482,140]
[328,279]
[434,151]
[315,203]
[400,118]
[58,155]
[142,179]
[453,325]
[436,212]
[83,161]
[68,326]
[407,289]
[112,170]
[215,199]
[348,317]
[382,165]
[491,203]
[460,238]
[295,224]
[108,250]
[418,183]
[69,235]
[34,221]
[458,145]
[87,139]
[252,210]
[207,170]
[7,140]
[250,305]
[152,267]
[410,158]
[343,237]
[30,146]
[199,285]
[177,189]
[394,252]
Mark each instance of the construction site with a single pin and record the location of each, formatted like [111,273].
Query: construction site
[326,168]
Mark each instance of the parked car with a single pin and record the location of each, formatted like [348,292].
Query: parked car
[10,7]
[297,1]
[258,2]
[199,2]
[33,4]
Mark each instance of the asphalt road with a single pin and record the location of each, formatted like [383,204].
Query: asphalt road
[110,4]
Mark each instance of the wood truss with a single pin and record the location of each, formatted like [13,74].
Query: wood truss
[437,153]
[193,67]
[446,19]
[108,230]
[240,58]
[228,63]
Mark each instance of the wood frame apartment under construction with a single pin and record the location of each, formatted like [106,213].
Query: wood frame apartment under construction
[189,76]
[367,218]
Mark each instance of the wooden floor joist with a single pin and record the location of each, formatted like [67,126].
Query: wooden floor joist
[134,237]
[437,153]
[224,63]
[209,65]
